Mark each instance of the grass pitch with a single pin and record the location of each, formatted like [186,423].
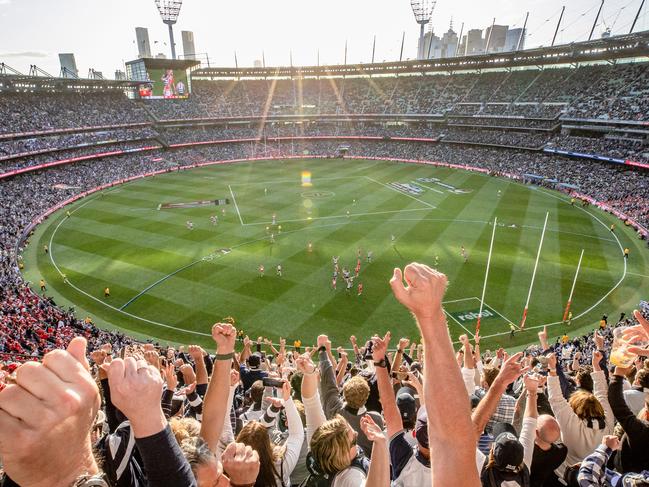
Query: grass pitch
[171,283]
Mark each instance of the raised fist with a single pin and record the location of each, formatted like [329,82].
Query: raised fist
[224,334]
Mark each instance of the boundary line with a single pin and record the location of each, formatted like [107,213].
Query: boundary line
[51,252]
[234,200]
[399,192]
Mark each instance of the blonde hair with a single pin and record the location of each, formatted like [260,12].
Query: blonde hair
[330,445]
[184,428]
[356,391]
[586,406]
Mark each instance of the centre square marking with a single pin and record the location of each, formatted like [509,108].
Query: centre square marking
[314,195]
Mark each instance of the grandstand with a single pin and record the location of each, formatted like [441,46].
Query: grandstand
[562,129]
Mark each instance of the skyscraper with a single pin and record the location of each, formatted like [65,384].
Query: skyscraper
[189,50]
[143,44]
[474,42]
[497,38]
[511,41]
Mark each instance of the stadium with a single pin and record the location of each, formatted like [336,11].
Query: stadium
[183,209]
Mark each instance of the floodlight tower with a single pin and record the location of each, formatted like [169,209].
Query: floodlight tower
[169,11]
[423,10]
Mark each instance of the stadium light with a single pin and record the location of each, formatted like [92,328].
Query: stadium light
[423,10]
[169,11]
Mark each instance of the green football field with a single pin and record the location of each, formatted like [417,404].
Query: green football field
[172,283]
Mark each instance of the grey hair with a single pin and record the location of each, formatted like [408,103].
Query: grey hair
[196,452]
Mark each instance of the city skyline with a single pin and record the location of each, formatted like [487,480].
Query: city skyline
[102,34]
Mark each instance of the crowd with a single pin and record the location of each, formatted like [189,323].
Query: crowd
[38,112]
[29,146]
[31,325]
[625,148]
[377,412]
[186,134]
[530,140]
[597,91]
[83,151]
[264,415]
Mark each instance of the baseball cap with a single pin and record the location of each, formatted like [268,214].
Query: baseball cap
[421,427]
[254,360]
[507,450]
[406,404]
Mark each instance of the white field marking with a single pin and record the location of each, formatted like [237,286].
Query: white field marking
[234,200]
[498,312]
[465,328]
[636,274]
[532,227]
[337,216]
[67,281]
[585,312]
[334,224]
[459,300]
[400,192]
[619,245]
[428,187]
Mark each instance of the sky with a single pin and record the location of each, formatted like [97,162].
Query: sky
[101,34]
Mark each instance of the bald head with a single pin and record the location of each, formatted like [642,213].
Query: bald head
[548,429]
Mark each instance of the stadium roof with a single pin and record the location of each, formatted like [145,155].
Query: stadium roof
[607,49]
[12,82]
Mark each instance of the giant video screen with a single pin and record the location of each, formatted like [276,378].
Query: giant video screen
[166,84]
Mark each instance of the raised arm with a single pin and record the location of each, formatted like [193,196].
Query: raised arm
[379,473]
[512,369]
[529,421]
[447,404]
[215,406]
[386,392]
[331,401]
[136,390]
[196,353]
[312,407]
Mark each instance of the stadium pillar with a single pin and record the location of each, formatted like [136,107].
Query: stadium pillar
[563,9]
[596,19]
[636,17]
[171,40]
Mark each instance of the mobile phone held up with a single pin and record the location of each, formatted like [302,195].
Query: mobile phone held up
[276,383]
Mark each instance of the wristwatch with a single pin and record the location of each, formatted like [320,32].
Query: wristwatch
[381,363]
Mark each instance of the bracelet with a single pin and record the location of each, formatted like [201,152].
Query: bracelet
[312,372]
[552,370]
[224,356]
[241,485]
[381,363]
